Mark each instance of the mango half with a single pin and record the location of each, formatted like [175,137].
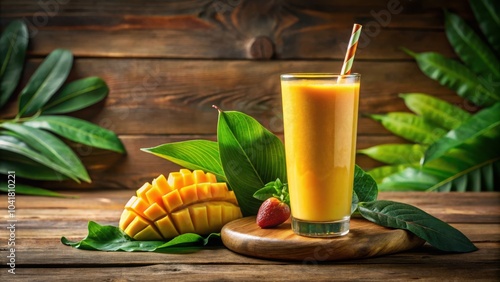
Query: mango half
[185,202]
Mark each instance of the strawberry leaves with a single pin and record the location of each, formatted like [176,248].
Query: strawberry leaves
[276,189]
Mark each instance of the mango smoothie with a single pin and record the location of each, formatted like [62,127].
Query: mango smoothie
[320,114]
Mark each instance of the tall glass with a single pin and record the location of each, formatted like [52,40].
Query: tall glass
[320,114]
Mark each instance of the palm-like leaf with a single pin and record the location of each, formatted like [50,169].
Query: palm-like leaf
[486,12]
[470,48]
[46,80]
[13,44]
[436,111]
[411,127]
[466,167]
[485,122]
[26,142]
[456,76]
[468,156]
[467,163]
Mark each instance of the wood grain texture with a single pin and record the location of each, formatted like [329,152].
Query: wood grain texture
[227,28]
[168,62]
[365,240]
[41,256]
[176,97]
[298,272]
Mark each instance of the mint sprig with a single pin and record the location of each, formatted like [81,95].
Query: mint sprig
[276,189]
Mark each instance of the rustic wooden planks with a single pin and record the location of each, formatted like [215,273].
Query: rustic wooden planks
[175,97]
[42,221]
[208,272]
[167,62]
[228,28]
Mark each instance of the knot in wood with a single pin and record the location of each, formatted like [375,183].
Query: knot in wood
[261,48]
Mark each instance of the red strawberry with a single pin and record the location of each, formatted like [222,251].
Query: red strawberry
[272,212]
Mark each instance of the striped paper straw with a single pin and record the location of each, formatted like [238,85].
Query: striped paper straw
[351,50]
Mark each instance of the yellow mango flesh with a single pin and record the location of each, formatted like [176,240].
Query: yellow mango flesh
[184,202]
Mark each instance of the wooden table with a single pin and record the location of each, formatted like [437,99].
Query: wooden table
[40,256]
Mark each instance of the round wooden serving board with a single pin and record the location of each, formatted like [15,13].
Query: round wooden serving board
[364,240]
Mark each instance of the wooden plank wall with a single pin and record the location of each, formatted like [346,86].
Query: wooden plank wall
[168,62]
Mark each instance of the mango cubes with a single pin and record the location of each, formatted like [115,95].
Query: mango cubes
[185,202]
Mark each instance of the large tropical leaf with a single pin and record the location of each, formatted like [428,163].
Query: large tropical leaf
[251,156]
[14,145]
[77,95]
[27,168]
[51,147]
[404,216]
[79,131]
[435,110]
[409,179]
[31,190]
[396,153]
[481,123]
[470,47]
[381,172]
[456,76]
[192,154]
[486,12]
[13,44]
[46,80]
[411,127]
[472,166]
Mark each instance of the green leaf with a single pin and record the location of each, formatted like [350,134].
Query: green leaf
[455,76]
[396,153]
[410,179]
[79,131]
[265,192]
[275,189]
[460,169]
[365,186]
[27,168]
[77,95]
[488,177]
[435,110]
[193,154]
[486,12]
[46,80]
[14,145]
[13,44]
[411,127]
[31,190]
[251,156]
[403,216]
[111,238]
[354,202]
[480,123]
[381,172]
[51,147]
[470,47]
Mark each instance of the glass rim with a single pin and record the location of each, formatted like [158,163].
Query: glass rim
[318,75]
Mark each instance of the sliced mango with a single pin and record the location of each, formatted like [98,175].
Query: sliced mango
[184,202]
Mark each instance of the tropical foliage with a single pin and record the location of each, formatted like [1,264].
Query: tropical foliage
[452,150]
[33,143]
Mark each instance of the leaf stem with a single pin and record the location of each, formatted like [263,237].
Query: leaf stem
[218,109]
[19,119]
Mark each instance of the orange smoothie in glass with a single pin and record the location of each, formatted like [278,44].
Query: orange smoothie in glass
[320,114]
